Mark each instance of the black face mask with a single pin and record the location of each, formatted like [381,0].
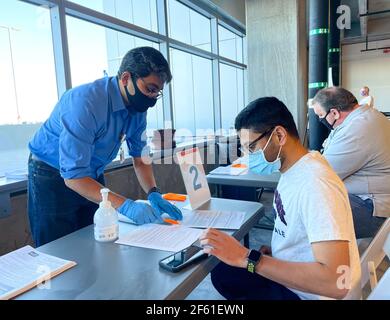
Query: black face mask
[326,123]
[139,102]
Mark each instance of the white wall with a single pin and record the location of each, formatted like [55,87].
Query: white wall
[235,8]
[277,56]
[368,68]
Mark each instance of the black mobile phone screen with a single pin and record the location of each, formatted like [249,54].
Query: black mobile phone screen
[181,258]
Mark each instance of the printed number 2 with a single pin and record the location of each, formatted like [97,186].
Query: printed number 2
[197,186]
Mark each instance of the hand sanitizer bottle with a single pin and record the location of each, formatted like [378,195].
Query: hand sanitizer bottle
[106,220]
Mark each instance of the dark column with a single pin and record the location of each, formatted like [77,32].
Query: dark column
[334,42]
[318,66]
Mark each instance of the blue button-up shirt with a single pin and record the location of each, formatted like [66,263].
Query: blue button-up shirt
[84,132]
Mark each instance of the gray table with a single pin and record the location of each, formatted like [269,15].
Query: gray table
[245,180]
[112,271]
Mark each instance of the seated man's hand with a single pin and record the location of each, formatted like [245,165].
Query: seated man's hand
[161,205]
[224,247]
[139,212]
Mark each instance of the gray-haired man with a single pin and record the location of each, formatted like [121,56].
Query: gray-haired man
[358,149]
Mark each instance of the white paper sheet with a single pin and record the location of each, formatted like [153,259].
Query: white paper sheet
[230,171]
[161,237]
[25,268]
[229,220]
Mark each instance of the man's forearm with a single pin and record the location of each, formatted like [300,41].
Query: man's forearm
[308,277]
[144,174]
[90,189]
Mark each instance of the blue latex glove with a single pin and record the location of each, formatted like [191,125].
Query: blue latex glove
[139,212]
[163,206]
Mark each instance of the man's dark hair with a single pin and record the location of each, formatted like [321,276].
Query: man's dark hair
[335,97]
[144,61]
[265,113]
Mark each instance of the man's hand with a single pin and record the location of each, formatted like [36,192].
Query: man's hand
[224,247]
[161,205]
[139,212]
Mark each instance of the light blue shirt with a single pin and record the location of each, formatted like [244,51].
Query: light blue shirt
[84,132]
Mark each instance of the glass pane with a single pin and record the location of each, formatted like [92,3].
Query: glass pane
[27,78]
[232,94]
[108,47]
[230,44]
[192,93]
[188,26]
[139,12]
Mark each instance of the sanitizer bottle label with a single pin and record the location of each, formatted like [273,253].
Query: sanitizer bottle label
[107,233]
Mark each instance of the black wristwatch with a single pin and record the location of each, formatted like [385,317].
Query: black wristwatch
[254,258]
[154,189]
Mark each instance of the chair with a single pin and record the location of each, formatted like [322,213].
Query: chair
[382,290]
[374,255]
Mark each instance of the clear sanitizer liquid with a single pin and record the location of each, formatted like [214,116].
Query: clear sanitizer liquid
[106,220]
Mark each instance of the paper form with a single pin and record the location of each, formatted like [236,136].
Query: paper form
[25,268]
[229,220]
[229,171]
[161,237]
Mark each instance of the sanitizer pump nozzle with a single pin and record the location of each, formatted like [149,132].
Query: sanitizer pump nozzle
[106,220]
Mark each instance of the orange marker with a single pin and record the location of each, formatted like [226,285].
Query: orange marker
[170,221]
[174,197]
[239,165]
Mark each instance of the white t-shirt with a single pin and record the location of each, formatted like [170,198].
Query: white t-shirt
[367,100]
[312,205]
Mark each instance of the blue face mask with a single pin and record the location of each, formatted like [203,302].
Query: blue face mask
[260,165]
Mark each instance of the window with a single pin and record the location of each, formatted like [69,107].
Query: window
[188,26]
[29,77]
[192,93]
[108,48]
[142,13]
[230,44]
[27,70]
[232,94]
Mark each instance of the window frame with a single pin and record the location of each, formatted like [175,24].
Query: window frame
[59,9]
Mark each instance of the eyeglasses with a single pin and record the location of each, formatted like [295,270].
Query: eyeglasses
[154,93]
[250,148]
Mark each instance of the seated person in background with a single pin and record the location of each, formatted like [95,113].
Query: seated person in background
[313,253]
[358,149]
[367,99]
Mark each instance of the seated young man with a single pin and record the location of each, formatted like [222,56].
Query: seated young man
[313,253]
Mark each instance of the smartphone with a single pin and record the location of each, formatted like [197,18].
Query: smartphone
[182,259]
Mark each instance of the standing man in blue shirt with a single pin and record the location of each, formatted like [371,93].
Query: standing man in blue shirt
[82,135]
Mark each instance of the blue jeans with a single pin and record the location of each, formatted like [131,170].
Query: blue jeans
[238,284]
[366,225]
[54,210]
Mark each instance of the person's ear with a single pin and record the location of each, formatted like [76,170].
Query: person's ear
[336,114]
[281,134]
[126,81]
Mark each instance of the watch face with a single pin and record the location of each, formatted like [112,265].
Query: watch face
[254,256]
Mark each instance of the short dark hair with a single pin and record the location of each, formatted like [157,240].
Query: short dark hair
[265,113]
[335,97]
[143,61]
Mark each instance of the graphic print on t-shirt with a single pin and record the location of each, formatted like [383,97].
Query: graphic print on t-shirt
[279,208]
